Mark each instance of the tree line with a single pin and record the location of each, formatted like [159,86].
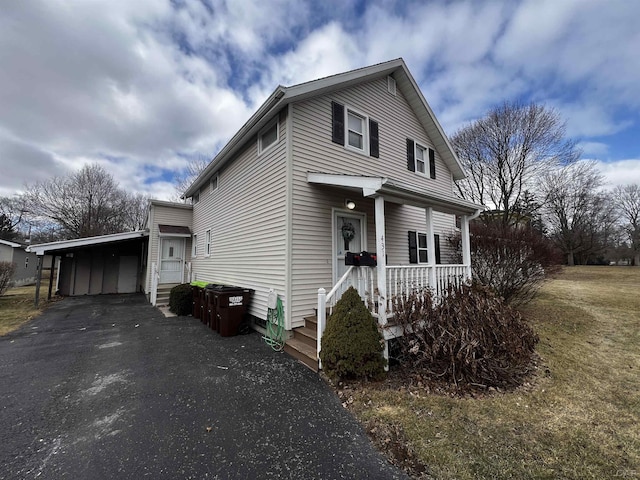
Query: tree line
[521,165]
[85,203]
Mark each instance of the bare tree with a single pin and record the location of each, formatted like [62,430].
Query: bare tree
[628,203]
[136,210]
[184,180]
[86,203]
[581,218]
[12,216]
[506,152]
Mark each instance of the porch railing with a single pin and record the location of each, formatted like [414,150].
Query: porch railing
[401,280]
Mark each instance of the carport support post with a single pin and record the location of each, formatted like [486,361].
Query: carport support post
[39,279]
[53,263]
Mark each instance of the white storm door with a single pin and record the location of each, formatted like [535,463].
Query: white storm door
[345,226]
[171,261]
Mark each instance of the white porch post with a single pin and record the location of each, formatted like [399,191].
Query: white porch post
[382,261]
[466,247]
[431,248]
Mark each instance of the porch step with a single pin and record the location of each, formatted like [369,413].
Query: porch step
[164,292]
[303,344]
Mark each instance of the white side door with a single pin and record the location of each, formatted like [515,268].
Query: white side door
[171,261]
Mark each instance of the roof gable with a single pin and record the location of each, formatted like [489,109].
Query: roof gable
[282,96]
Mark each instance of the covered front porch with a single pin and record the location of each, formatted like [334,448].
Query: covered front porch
[380,285]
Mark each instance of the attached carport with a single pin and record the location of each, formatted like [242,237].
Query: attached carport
[95,265]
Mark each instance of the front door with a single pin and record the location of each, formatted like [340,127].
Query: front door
[349,235]
[171,258]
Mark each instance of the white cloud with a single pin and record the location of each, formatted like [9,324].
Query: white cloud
[620,172]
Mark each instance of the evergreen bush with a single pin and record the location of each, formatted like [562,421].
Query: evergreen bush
[180,299]
[352,345]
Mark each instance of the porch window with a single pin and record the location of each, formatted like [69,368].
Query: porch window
[207,243]
[418,247]
[194,245]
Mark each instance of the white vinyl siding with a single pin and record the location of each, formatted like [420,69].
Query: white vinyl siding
[313,151]
[248,220]
[180,215]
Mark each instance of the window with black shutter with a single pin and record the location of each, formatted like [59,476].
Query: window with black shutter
[337,121]
[374,143]
[418,247]
[432,163]
[411,155]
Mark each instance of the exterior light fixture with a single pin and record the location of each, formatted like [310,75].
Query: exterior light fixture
[350,204]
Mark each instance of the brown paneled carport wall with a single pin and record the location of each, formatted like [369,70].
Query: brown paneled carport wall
[97,265]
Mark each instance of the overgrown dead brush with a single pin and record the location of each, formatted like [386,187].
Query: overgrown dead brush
[469,338]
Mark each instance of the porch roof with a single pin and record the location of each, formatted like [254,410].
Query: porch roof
[174,231]
[396,192]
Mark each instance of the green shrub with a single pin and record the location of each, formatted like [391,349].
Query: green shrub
[352,344]
[470,337]
[180,299]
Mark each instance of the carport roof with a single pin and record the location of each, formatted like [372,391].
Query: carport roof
[53,247]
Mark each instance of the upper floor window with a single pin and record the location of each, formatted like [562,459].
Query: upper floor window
[196,197]
[214,183]
[268,136]
[417,158]
[354,130]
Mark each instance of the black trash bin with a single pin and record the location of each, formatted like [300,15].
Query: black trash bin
[195,301]
[231,304]
[209,305]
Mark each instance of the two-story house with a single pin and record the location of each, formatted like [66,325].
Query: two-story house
[348,163]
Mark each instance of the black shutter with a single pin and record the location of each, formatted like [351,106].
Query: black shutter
[411,155]
[413,247]
[337,123]
[374,148]
[432,163]
[436,242]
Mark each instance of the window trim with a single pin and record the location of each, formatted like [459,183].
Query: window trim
[207,243]
[217,179]
[365,131]
[195,198]
[266,128]
[194,246]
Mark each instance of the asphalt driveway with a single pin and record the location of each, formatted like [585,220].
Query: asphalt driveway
[107,387]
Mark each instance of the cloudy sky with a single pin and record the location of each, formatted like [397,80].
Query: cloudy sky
[143,86]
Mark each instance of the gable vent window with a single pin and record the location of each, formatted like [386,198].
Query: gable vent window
[354,130]
[268,136]
[418,157]
[418,247]
[391,85]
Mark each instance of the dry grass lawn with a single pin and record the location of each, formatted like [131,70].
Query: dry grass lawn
[579,419]
[16,307]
